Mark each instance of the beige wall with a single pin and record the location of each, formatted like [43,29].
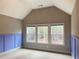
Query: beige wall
[45,16]
[9,25]
[75,19]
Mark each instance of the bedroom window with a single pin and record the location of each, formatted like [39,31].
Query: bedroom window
[57,34]
[42,32]
[31,34]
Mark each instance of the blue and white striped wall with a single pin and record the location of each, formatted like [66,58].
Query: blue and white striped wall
[10,41]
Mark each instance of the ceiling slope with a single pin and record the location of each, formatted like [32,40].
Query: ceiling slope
[21,8]
[15,8]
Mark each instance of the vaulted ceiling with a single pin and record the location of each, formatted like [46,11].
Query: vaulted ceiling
[21,8]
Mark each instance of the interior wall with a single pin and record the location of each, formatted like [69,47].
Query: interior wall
[75,31]
[10,33]
[75,20]
[48,16]
[9,25]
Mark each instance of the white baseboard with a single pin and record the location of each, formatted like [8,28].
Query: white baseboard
[9,51]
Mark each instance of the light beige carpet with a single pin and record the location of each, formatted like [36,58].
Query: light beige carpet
[33,54]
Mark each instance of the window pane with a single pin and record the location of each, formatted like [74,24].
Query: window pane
[57,34]
[31,34]
[42,34]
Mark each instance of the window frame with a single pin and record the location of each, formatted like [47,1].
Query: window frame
[55,24]
[26,33]
[49,32]
[37,33]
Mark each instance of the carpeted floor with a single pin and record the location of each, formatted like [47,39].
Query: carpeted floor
[33,54]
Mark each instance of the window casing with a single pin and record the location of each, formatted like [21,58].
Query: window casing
[41,34]
[31,34]
[57,34]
